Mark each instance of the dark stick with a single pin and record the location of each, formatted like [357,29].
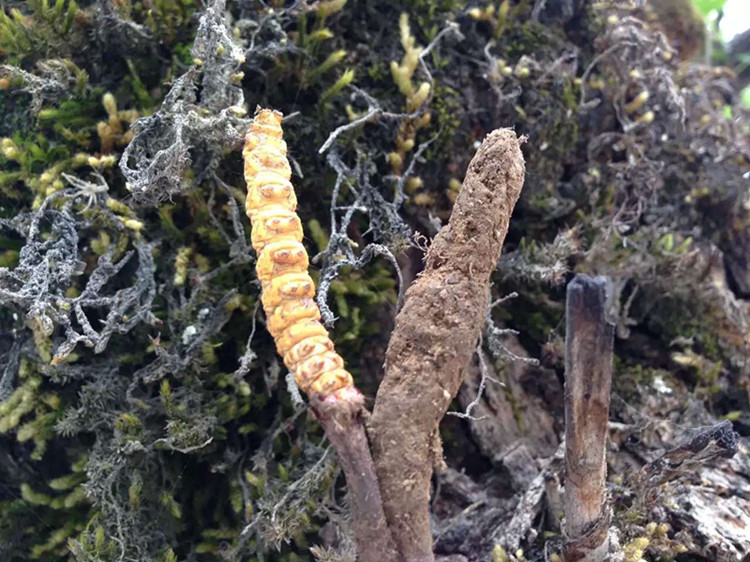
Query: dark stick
[589,343]
[340,415]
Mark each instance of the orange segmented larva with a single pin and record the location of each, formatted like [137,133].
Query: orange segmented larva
[291,312]
[276,258]
[289,286]
[300,330]
[272,194]
[292,316]
[275,224]
[308,348]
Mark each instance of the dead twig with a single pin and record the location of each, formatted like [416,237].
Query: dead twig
[717,441]
[588,382]
[342,419]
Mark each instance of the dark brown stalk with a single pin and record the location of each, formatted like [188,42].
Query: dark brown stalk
[340,415]
[588,381]
[435,335]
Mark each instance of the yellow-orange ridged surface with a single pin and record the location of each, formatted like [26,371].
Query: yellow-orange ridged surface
[292,315]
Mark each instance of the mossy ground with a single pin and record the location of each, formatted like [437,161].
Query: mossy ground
[167,429]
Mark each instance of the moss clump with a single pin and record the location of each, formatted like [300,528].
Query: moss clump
[145,412]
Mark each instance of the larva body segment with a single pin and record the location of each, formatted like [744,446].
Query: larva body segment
[315,366]
[269,158]
[290,286]
[277,193]
[277,224]
[293,317]
[265,130]
[308,348]
[332,381]
[281,257]
[300,330]
[291,312]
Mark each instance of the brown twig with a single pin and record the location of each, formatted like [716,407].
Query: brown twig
[341,418]
[588,381]
[435,335]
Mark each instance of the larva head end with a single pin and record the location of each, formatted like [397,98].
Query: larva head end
[265,116]
[264,130]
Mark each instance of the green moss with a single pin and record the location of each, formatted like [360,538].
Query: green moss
[31,34]
[166,18]
[446,120]
[529,38]
[180,380]
[512,400]
[17,118]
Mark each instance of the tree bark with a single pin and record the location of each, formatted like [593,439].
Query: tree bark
[435,335]
[588,381]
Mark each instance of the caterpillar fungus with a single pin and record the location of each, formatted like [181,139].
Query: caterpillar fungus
[292,316]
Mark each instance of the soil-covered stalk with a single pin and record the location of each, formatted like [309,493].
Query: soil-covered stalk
[435,335]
